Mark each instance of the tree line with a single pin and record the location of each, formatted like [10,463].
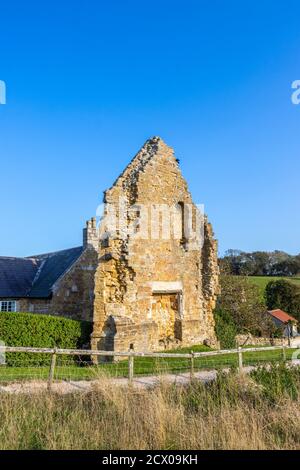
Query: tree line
[260,263]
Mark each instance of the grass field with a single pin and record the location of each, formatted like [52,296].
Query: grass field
[262,281]
[142,366]
[236,411]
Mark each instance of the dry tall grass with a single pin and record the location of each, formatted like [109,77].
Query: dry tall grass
[234,412]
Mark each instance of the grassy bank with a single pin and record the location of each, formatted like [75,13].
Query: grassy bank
[234,412]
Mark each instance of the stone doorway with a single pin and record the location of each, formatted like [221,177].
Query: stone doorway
[166,314]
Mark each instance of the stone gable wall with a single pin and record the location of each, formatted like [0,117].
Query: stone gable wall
[146,289]
[129,266]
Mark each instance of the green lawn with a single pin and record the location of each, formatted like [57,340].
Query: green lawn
[142,366]
[262,281]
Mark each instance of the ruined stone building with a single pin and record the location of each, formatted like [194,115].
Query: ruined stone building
[146,275]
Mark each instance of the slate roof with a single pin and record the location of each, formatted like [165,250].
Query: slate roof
[16,276]
[35,276]
[281,315]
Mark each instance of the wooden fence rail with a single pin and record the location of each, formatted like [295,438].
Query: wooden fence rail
[92,352]
[131,354]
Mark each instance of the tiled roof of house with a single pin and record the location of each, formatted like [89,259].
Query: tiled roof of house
[281,315]
[35,276]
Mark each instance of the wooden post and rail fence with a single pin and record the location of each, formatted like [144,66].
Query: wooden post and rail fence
[131,355]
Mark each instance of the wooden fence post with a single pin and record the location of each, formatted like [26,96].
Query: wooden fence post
[192,365]
[52,370]
[130,365]
[240,356]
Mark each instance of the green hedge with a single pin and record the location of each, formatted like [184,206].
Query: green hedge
[41,331]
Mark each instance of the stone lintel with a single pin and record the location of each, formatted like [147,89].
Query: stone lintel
[166,286]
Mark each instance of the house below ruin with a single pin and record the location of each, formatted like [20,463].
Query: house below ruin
[146,276]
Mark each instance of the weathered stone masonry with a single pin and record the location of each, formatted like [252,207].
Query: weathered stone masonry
[153,293]
[145,281]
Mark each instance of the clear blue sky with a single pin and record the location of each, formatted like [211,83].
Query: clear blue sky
[89,82]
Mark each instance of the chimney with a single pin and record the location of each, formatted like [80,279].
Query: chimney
[90,234]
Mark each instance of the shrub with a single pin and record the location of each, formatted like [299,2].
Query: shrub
[225,328]
[40,331]
[278,382]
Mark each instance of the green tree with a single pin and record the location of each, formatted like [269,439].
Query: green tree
[284,295]
[260,263]
[241,300]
